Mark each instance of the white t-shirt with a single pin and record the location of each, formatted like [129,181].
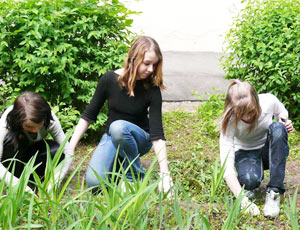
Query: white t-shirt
[239,137]
[55,131]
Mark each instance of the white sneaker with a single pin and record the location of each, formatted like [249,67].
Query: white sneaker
[272,205]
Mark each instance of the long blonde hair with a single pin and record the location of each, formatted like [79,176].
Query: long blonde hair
[134,58]
[241,98]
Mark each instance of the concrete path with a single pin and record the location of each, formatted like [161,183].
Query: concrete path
[187,72]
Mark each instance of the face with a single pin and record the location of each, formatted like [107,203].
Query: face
[148,66]
[32,127]
[249,117]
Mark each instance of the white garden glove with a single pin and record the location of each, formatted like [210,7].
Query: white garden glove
[165,184]
[250,207]
[29,190]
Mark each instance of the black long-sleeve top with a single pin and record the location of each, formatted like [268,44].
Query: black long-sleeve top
[123,107]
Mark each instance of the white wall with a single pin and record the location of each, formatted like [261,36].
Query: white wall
[185,25]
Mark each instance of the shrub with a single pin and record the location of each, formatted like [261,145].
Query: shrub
[60,47]
[263,48]
[7,96]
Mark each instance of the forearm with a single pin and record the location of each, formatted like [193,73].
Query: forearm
[233,184]
[161,153]
[7,176]
[80,129]
[61,173]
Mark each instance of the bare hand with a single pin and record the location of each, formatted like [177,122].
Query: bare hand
[288,124]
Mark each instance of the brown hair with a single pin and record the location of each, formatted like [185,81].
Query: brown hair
[241,99]
[134,58]
[28,106]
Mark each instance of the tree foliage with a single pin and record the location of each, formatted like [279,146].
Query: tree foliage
[60,47]
[263,48]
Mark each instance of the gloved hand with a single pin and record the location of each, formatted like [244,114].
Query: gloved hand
[29,190]
[50,186]
[165,184]
[250,207]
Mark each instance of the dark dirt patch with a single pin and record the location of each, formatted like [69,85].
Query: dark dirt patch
[292,178]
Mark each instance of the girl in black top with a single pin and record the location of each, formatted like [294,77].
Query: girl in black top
[135,123]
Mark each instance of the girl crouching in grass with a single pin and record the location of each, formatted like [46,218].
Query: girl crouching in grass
[135,119]
[252,143]
[23,128]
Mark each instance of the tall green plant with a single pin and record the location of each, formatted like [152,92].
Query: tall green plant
[13,197]
[210,110]
[234,215]
[292,211]
[263,47]
[216,178]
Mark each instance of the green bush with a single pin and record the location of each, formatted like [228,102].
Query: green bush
[6,96]
[60,48]
[263,47]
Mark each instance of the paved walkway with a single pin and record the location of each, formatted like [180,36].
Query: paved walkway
[187,72]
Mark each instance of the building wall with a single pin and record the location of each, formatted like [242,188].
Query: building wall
[189,25]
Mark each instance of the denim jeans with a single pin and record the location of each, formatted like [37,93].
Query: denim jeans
[250,164]
[131,142]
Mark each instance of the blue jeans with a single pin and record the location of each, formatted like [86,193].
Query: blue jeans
[132,142]
[250,164]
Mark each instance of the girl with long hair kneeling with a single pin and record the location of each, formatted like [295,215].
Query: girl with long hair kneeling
[251,142]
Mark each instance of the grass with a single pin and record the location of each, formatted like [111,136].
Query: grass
[201,198]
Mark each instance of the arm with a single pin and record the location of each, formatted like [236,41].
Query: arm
[4,173]
[80,129]
[227,154]
[156,130]
[233,184]
[166,182]
[281,113]
[161,153]
[158,140]
[92,110]
[59,136]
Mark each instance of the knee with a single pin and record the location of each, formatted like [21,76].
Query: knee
[278,131]
[117,129]
[92,179]
[250,181]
